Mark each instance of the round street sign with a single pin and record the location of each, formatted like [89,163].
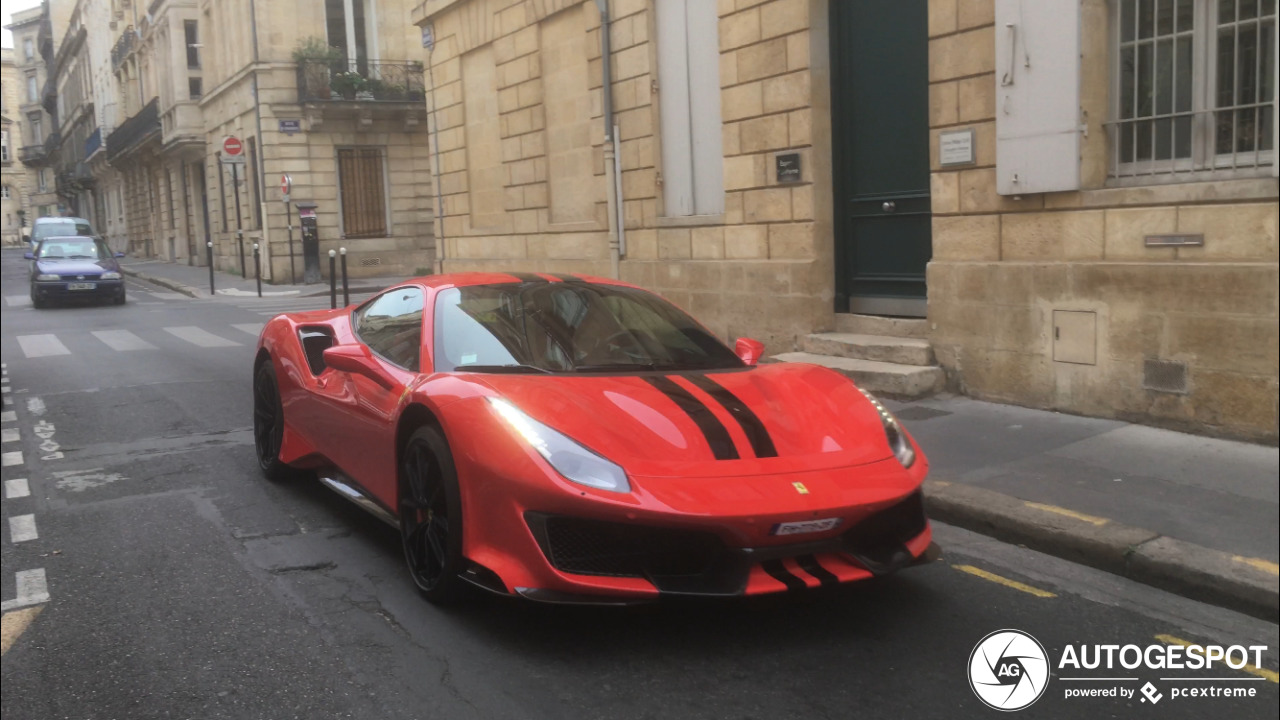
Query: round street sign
[231,145]
[286,184]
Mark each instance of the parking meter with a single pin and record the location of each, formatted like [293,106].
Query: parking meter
[310,242]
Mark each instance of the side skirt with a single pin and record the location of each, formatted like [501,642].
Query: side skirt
[335,480]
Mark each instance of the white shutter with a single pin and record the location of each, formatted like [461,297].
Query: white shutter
[1037,96]
[706,126]
[673,108]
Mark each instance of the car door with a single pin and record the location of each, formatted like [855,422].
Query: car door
[362,410]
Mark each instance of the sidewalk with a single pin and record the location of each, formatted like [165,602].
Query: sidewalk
[193,281]
[1190,514]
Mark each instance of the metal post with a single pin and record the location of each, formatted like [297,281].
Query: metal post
[333,280]
[293,273]
[257,268]
[209,246]
[346,295]
[235,186]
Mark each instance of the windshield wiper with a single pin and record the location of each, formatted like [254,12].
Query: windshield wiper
[501,369]
[81,257]
[619,367]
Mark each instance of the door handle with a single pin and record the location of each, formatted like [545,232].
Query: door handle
[889,206]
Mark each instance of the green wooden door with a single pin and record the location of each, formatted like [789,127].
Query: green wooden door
[880,142]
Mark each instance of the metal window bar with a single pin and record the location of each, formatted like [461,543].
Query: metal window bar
[360,177]
[1136,160]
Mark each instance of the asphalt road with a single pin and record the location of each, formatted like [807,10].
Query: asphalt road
[183,585]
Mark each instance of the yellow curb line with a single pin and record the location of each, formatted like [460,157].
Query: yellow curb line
[1259,563]
[1097,521]
[978,572]
[1269,675]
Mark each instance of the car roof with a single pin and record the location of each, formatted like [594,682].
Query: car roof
[61,219]
[466,279]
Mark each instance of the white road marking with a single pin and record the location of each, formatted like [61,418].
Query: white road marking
[16,488]
[17,300]
[122,340]
[10,435]
[33,589]
[252,328]
[34,346]
[23,528]
[45,431]
[35,406]
[81,480]
[199,337]
[8,416]
[5,389]
[10,459]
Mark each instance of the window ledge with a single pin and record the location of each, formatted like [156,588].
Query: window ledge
[1175,193]
[689,220]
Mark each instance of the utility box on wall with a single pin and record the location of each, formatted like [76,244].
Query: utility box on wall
[1075,337]
[1037,96]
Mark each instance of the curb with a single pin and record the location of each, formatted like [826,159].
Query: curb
[1190,570]
[162,282]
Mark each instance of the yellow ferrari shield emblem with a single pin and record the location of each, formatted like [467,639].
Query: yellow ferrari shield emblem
[800,488]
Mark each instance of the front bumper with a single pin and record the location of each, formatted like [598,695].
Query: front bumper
[59,290]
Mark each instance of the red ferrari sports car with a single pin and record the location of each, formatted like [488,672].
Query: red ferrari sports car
[574,439]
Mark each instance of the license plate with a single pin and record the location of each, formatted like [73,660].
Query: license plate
[82,286]
[805,526]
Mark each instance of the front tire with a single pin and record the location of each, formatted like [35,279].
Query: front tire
[268,423]
[430,509]
[119,299]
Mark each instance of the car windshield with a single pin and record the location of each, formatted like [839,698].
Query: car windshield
[569,327]
[73,248]
[55,228]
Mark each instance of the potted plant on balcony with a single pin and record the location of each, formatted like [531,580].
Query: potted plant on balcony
[348,84]
[317,61]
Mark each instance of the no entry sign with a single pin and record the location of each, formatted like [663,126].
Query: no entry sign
[286,185]
[231,145]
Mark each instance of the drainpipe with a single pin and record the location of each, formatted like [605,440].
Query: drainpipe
[611,170]
[259,147]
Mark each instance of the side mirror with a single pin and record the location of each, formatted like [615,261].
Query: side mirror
[28,256]
[357,359]
[749,351]
[119,254]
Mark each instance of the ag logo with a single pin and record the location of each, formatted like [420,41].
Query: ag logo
[1008,670]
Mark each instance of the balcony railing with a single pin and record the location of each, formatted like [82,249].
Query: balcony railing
[134,131]
[360,81]
[33,155]
[94,143]
[123,46]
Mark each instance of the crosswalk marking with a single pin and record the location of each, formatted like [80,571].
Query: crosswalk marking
[34,346]
[199,337]
[122,340]
[252,328]
[17,300]
[16,488]
[23,528]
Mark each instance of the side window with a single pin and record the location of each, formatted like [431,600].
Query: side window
[391,325]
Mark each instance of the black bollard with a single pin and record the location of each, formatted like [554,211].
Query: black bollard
[240,242]
[257,268]
[209,246]
[333,280]
[346,295]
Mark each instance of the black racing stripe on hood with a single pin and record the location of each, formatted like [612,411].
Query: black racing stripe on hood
[761,442]
[810,564]
[713,430]
[779,572]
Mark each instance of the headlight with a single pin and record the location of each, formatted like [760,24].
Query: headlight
[570,459]
[109,275]
[47,276]
[898,441]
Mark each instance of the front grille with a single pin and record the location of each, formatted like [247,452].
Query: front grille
[595,547]
[79,277]
[881,537]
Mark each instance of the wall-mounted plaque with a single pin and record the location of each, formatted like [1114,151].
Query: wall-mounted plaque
[788,167]
[1175,240]
[955,147]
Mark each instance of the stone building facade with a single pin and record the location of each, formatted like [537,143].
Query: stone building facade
[29,120]
[903,192]
[13,174]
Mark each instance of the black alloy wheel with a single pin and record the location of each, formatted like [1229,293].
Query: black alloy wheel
[268,422]
[431,516]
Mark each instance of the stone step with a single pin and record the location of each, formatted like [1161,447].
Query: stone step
[877,325]
[892,379]
[904,351]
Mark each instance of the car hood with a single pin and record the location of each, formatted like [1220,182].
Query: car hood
[75,266]
[768,419]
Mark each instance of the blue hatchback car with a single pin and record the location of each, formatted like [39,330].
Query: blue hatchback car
[75,268]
